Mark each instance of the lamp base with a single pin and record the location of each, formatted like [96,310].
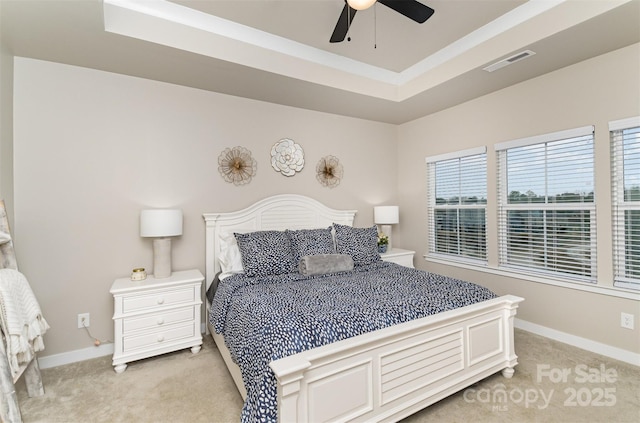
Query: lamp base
[386,229]
[161,258]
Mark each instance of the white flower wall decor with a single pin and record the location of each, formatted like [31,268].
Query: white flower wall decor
[287,157]
[236,165]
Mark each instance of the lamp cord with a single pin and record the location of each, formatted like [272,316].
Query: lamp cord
[96,341]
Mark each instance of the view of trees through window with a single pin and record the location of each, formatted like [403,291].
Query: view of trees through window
[548,211]
[460,202]
[546,203]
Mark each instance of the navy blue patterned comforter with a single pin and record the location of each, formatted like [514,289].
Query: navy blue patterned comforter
[267,318]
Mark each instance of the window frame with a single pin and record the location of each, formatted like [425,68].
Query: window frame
[432,205]
[619,205]
[504,207]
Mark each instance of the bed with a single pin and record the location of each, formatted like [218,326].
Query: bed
[380,375]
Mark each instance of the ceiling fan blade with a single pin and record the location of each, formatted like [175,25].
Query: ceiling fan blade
[344,21]
[412,9]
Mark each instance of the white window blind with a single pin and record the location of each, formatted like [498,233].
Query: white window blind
[457,202]
[546,204]
[625,168]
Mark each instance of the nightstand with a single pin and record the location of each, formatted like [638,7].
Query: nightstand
[156,316]
[399,256]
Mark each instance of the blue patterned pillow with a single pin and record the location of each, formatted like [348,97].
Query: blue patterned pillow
[265,253]
[310,242]
[360,243]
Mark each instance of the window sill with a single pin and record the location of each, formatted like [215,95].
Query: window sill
[580,286]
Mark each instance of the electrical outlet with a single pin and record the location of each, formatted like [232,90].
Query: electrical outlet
[626,320]
[86,322]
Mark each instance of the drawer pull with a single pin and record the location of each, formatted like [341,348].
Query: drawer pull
[160,300]
[160,321]
[160,338]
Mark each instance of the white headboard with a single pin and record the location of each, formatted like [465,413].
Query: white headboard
[285,211]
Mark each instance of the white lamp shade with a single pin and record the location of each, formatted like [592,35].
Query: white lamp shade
[160,222]
[386,215]
[360,4]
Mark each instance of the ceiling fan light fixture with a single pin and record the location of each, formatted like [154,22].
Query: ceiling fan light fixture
[360,4]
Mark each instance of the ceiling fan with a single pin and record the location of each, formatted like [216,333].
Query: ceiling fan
[412,9]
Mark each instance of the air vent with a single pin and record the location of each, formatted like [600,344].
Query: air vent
[509,60]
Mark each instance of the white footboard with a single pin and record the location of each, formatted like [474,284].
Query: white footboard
[389,374]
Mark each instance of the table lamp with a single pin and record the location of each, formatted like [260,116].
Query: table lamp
[385,216]
[161,224]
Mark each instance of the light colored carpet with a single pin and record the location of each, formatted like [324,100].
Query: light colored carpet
[183,387]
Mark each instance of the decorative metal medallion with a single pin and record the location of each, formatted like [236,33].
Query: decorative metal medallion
[236,165]
[329,171]
[287,157]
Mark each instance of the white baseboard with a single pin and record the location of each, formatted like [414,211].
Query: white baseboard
[81,355]
[74,356]
[577,341]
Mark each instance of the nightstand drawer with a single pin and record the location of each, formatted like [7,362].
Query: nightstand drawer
[157,320]
[156,316]
[159,337]
[157,299]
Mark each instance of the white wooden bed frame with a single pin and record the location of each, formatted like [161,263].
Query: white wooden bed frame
[384,375]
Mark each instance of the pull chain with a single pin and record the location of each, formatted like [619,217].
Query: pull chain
[375,25]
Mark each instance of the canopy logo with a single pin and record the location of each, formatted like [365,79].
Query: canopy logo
[595,393]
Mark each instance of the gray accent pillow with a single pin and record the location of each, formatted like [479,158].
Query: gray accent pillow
[307,242]
[322,264]
[265,253]
[360,243]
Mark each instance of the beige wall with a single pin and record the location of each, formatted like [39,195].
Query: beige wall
[6,127]
[589,93]
[92,149]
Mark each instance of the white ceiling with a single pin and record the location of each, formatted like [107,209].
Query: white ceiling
[393,69]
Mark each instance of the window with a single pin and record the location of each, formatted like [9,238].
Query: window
[625,169]
[546,204]
[457,203]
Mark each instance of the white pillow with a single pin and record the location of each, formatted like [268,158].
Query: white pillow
[4,237]
[230,258]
